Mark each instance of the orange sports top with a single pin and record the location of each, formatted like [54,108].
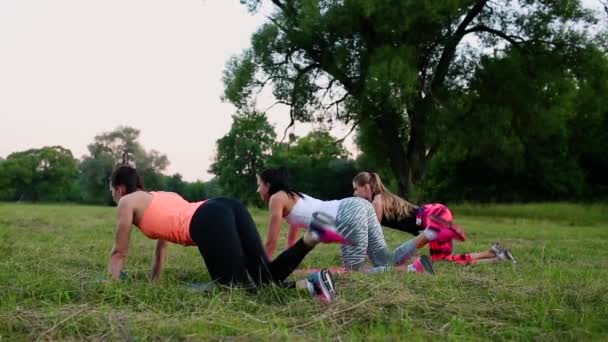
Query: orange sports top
[168,218]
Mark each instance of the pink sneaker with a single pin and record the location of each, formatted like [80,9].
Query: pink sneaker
[322,226]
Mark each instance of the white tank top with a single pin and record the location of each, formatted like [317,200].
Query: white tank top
[301,214]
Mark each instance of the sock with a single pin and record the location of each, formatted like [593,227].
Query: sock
[379,269]
[287,284]
[416,266]
[404,252]
[310,287]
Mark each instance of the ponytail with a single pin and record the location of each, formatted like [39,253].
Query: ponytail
[393,206]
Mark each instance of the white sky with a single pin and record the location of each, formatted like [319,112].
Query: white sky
[71,69]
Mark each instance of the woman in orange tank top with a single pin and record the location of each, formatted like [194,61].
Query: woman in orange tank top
[221,228]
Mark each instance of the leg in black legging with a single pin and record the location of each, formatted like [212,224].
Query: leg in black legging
[284,264]
[255,258]
[214,229]
[231,246]
[261,270]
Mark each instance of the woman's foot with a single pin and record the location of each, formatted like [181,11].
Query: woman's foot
[203,287]
[423,264]
[502,253]
[323,229]
[321,285]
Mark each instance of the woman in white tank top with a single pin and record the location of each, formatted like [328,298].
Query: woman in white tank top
[355,219]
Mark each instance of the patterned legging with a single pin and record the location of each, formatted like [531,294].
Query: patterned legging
[358,223]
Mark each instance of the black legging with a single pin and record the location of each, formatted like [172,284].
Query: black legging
[231,247]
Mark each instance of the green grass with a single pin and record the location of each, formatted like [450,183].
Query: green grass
[51,257]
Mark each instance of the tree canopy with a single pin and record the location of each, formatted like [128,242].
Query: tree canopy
[392,66]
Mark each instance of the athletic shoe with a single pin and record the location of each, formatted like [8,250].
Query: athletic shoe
[502,253]
[322,226]
[423,264]
[427,264]
[497,248]
[203,287]
[322,286]
[509,256]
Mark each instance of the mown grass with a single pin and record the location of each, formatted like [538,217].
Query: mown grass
[53,255]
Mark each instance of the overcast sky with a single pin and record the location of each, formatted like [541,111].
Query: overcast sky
[71,69]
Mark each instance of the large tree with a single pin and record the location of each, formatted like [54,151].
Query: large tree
[113,148]
[531,123]
[241,154]
[44,174]
[388,65]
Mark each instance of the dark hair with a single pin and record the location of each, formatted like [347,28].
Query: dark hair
[279,181]
[127,176]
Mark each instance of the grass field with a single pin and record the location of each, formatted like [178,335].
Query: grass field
[51,257]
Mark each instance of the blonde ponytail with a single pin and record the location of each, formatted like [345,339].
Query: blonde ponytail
[393,206]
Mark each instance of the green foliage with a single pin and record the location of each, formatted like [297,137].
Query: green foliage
[113,148]
[213,188]
[175,183]
[191,191]
[373,151]
[392,65]
[238,75]
[195,191]
[589,126]
[94,178]
[318,165]
[45,174]
[530,131]
[52,174]
[241,154]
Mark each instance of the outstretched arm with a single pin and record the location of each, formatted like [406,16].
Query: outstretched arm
[292,236]
[119,252]
[160,256]
[274,227]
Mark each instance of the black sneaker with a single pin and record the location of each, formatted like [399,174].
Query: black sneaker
[427,264]
[509,256]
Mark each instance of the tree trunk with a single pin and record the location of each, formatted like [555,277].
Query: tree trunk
[397,151]
[404,184]
[417,145]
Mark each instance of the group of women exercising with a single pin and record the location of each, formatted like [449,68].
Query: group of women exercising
[230,245]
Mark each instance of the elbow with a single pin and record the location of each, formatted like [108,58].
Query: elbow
[270,246]
[118,254]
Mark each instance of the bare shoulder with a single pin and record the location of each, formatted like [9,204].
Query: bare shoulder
[281,202]
[134,202]
[279,198]
[165,192]
[125,202]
